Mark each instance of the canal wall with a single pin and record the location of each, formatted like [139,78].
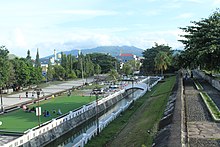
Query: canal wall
[103,123]
[51,130]
[214,82]
[55,128]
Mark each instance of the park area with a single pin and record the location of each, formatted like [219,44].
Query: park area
[20,120]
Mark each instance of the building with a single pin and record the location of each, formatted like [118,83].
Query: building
[126,57]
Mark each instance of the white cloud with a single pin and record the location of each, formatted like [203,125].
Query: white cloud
[90,39]
[216,1]
[184,15]
[19,38]
[89,12]
[152,12]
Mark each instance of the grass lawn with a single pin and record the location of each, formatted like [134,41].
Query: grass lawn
[131,128]
[21,121]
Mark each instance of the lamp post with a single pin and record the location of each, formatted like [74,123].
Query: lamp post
[132,87]
[38,112]
[97,119]
[96,91]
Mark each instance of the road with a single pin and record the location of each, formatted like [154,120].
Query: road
[13,99]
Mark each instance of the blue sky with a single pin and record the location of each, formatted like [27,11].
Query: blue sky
[78,24]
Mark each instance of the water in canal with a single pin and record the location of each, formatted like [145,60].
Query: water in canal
[72,137]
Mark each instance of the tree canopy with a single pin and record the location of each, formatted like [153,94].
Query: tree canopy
[150,54]
[202,43]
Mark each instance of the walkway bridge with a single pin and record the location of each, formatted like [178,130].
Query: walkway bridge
[142,86]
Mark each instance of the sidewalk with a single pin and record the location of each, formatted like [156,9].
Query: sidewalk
[20,97]
[202,131]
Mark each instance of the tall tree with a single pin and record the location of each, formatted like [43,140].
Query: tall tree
[127,69]
[22,72]
[50,71]
[149,56]
[201,42]
[5,66]
[97,69]
[162,61]
[37,61]
[105,61]
[38,69]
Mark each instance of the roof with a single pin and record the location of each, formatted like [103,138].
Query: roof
[126,55]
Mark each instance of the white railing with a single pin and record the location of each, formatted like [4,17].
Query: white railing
[104,122]
[34,132]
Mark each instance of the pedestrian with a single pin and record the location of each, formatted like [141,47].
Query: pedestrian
[26,94]
[59,112]
[191,74]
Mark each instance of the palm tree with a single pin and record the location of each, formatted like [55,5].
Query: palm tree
[162,61]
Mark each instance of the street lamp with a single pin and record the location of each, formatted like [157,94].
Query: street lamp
[38,109]
[97,91]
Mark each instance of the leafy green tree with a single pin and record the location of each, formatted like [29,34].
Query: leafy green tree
[89,66]
[12,78]
[22,72]
[105,61]
[113,75]
[5,66]
[97,69]
[162,61]
[59,72]
[134,64]
[127,69]
[50,71]
[201,42]
[72,74]
[150,54]
[34,75]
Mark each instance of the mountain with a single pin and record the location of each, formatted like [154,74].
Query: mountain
[112,50]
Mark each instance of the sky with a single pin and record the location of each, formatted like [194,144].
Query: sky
[79,24]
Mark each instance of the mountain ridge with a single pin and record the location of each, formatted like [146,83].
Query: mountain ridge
[112,50]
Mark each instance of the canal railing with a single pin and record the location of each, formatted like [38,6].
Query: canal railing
[54,123]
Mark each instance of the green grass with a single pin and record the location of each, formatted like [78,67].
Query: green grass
[198,85]
[210,104]
[144,115]
[21,121]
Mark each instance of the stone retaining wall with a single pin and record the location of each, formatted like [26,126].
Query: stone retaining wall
[215,83]
[169,128]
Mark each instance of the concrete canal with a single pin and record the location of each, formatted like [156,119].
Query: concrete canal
[83,133]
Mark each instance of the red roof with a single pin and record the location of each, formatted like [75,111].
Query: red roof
[126,55]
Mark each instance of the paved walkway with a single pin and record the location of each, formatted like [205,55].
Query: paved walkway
[20,97]
[202,130]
